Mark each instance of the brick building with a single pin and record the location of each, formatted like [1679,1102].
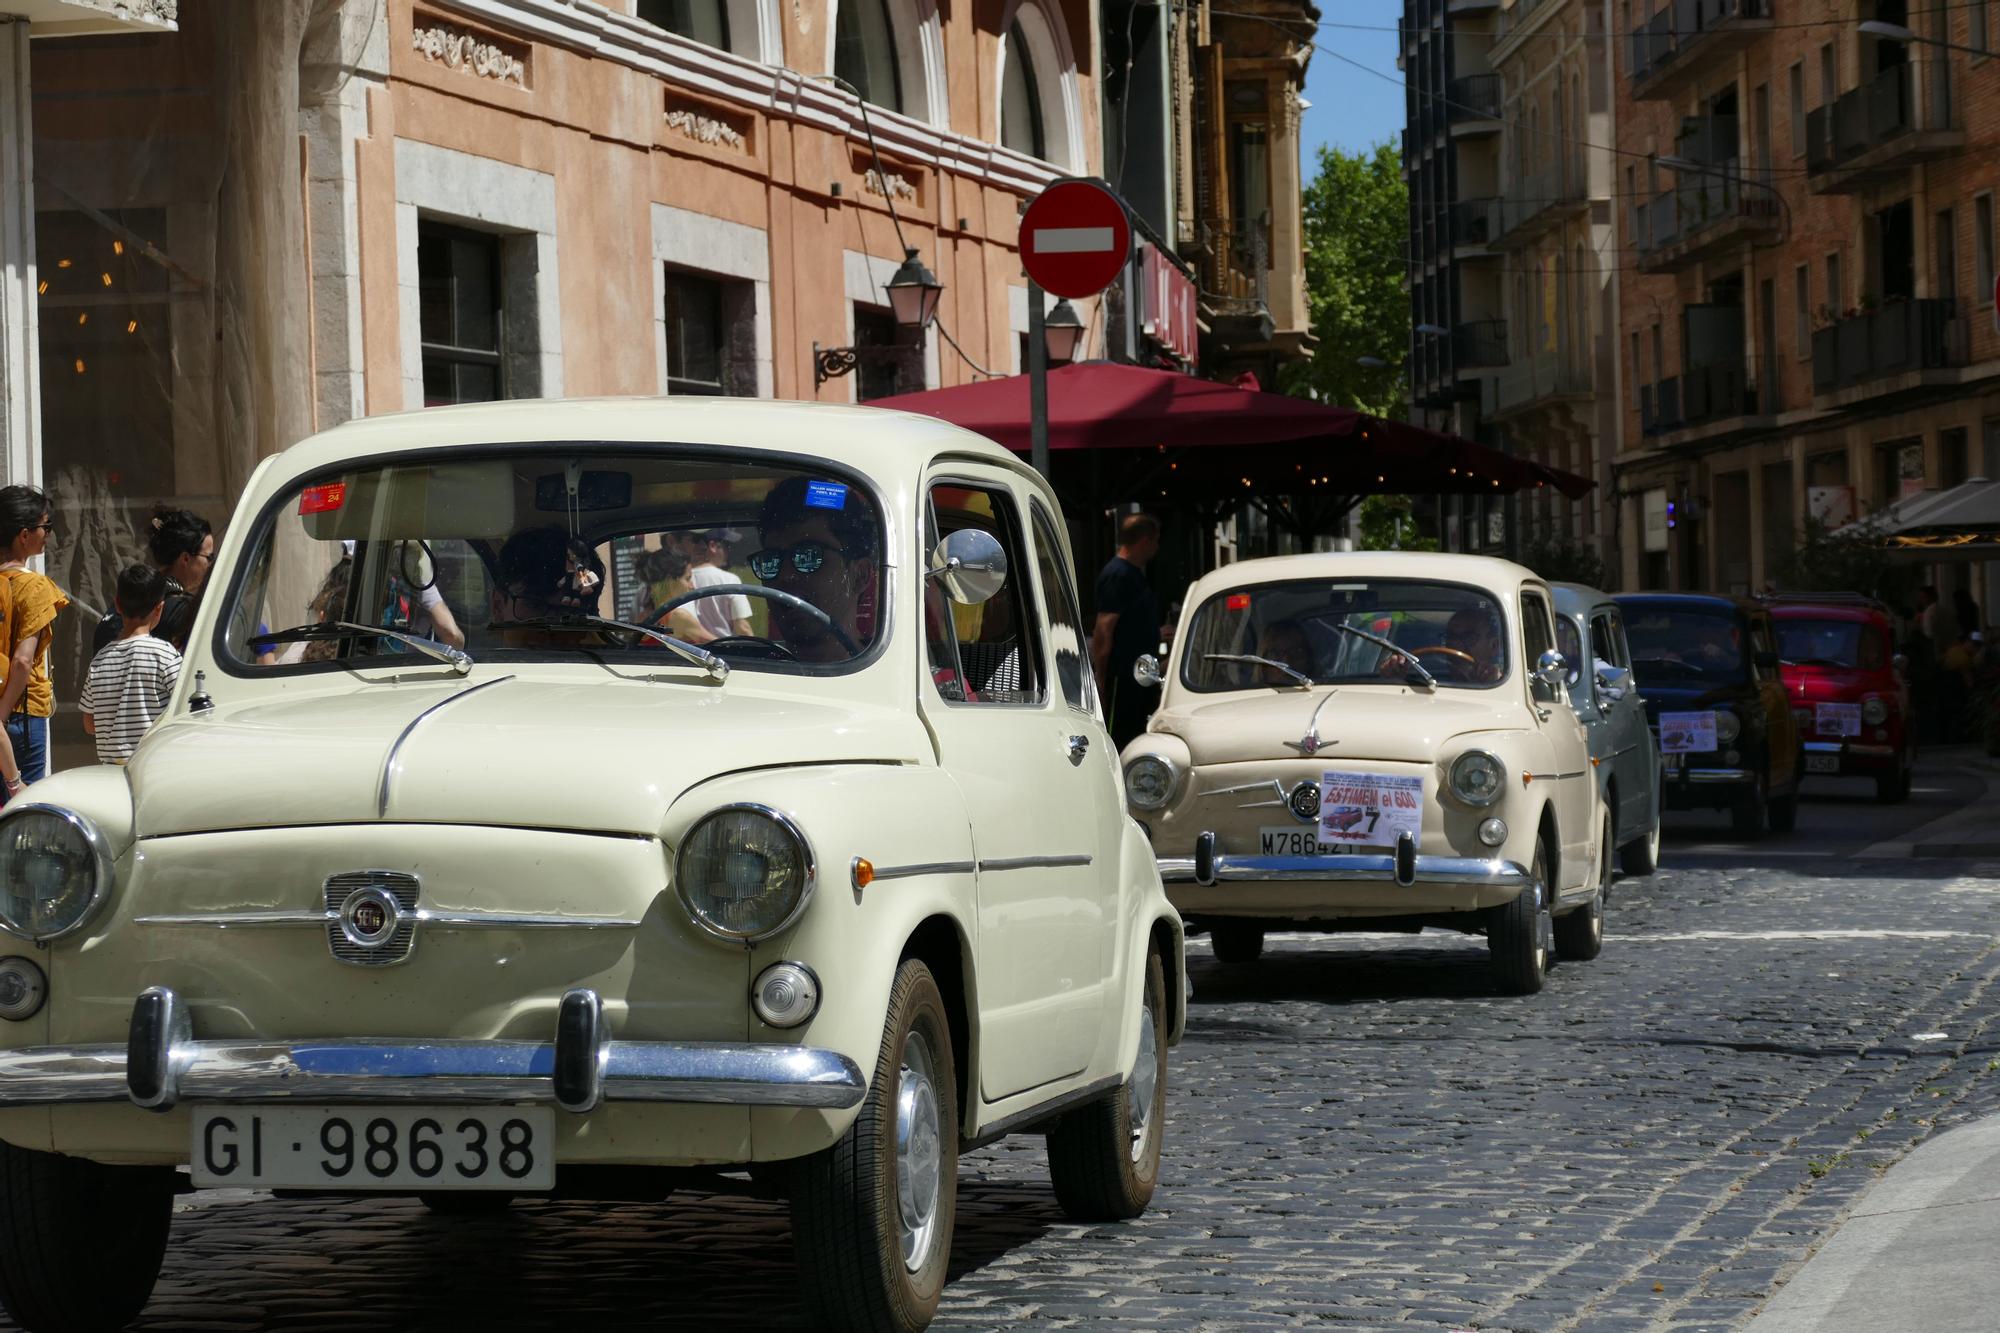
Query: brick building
[1807,223]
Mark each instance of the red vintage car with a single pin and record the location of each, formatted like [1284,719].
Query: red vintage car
[1846,686]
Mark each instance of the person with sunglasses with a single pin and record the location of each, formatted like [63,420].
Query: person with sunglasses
[29,604]
[181,545]
[824,554]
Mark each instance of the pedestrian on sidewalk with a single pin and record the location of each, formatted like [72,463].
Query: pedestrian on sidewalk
[1127,626]
[130,681]
[29,604]
[182,547]
[726,616]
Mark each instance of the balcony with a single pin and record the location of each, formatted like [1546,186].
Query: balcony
[1480,344]
[1475,223]
[1701,215]
[1518,18]
[1708,403]
[1474,105]
[1546,199]
[1900,117]
[1887,350]
[1544,379]
[1672,51]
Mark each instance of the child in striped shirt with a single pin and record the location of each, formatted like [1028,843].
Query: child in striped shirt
[132,677]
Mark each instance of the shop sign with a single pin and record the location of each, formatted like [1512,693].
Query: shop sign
[1168,304]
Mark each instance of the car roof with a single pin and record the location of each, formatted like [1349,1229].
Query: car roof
[867,439]
[1807,610]
[1480,571]
[1578,598]
[1711,601]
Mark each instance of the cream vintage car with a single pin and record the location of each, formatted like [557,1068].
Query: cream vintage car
[446,875]
[1374,741]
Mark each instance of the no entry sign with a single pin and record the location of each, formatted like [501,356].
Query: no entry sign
[1075,238]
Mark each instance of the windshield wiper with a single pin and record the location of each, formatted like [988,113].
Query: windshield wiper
[456,658]
[1416,663]
[1297,675]
[716,668]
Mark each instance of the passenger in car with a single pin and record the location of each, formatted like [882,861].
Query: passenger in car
[1283,641]
[819,545]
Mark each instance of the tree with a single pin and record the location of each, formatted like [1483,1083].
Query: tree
[1357,221]
[1826,561]
[1559,560]
[1387,524]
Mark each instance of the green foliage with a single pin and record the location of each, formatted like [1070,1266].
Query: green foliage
[1561,561]
[1357,221]
[1388,524]
[1825,561]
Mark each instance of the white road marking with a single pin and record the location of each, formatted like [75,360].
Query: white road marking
[1929,1036]
[1781,936]
[1072,240]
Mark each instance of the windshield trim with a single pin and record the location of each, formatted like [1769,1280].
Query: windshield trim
[1499,603]
[595,654]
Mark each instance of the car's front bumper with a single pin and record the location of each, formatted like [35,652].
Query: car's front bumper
[162,1064]
[1854,757]
[1212,882]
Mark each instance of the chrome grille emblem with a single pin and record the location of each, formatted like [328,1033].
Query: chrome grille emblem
[371,916]
[1304,802]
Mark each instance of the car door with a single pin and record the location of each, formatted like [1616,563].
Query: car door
[1030,770]
[1574,786]
[1635,766]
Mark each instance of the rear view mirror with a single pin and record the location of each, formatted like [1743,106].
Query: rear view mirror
[594,491]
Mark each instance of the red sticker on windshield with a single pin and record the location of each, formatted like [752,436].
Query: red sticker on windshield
[1238,601]
[321,499]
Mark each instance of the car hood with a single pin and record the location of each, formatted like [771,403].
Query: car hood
[1681,698]
[603,756]
[1804,682]
[1389,722]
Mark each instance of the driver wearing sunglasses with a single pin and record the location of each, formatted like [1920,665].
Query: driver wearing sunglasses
[825,556]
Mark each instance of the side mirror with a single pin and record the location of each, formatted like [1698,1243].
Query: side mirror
[1147,670]
[1551,668]
[1612,682]
[971,565]
[1901,662]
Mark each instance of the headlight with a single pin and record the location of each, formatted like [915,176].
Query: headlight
[1477,778]
[1873,711]
[1728,726]
[1149,782]
[744,873]
[55,871]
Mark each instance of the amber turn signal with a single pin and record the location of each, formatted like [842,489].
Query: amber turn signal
[862,872]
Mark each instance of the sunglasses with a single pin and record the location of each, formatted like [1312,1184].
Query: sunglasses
[806,557]
[40,527]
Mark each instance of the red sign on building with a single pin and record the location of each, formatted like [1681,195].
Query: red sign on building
[1168,305]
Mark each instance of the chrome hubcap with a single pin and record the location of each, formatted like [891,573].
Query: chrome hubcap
[918,1152]
[1143,1084]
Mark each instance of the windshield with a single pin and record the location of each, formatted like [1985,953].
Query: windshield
[1830,643]
[1683,645]
[525,554]
[1454,631]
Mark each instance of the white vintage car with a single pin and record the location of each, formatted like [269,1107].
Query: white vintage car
[1374,741]
[450,873]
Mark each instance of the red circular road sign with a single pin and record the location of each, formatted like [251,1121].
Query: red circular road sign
[1075,238]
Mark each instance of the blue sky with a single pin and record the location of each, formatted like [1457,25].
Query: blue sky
[1350,109]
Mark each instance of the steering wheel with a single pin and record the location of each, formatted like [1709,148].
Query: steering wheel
[753,645]
[778,595]
[1443,650]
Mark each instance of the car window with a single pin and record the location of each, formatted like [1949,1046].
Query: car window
[1536,638]
[1831,643]
[1569,642]
[1067,642]
[1677,646]
[989,653]
[1607,639]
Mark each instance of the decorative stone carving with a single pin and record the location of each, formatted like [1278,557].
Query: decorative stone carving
[704,129]
[889,185]
[459,50]
[140,11]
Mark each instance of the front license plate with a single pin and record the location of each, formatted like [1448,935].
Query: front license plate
[1292,840]
[1822,763]
[374,1147]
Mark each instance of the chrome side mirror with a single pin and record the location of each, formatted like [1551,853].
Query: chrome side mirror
[1147,670]
[1551,668]
[1901,663]
[1612,682]
[971,565]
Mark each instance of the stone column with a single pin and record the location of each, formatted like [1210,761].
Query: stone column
[20,385]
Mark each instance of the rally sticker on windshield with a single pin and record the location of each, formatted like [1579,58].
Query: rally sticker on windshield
[826,495]
[1687,733]
[323,499]
[1837,719]
[1369,809]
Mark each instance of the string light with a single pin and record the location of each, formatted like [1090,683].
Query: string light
[82,318]
[118,247]
[132,326]
[106,277]
[79,365]
[43,288]
[63,263]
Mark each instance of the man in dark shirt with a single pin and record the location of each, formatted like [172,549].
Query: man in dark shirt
[1128,624]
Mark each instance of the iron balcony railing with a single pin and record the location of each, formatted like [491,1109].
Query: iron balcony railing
[1241,267]
[1475,97]
[1879,111]
[1480,344]
[1672,33]
[1475,221]
[1901,336]
[1557,189]
[1699,203]
[1538,377]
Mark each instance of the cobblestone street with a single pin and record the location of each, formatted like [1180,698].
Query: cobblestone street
[1361,1135]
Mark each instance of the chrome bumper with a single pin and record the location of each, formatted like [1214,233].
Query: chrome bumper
[1403,866]
[1714,776]
[162,1064]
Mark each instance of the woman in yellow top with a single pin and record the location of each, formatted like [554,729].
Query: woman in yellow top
[29,603]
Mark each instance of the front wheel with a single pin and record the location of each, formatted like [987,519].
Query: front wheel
[1746,816]
[1236,941]
[1104,1157]
[872,1215]
[1784,812]
[80,1243]
[1517,934]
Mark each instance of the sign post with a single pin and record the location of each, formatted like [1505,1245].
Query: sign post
[1075,240]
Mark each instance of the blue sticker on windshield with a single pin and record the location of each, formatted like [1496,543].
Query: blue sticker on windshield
[826,495]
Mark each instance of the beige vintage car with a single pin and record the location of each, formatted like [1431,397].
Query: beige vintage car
[449,873]
[1374,741]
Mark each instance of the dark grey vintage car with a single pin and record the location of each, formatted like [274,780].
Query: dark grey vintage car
[1590,634]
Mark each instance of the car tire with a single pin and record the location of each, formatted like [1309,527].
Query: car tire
[872,1215]
[1517,934]
[1642,856]
[80,1242]
[1104,1157]
[1893,788]
[1746,816]
[467,1203]
[1580,934]
[1783,811]
[1236,941]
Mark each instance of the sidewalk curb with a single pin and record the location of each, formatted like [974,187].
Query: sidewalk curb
[1972,830]
[1914,1252]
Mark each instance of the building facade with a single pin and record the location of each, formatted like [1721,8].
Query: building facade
[1807,332]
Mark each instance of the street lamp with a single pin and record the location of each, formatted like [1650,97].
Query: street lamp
[1062,333]
[1896,32]
[1434,330]
[913,300]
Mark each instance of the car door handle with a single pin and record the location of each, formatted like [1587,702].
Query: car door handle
[1078,747]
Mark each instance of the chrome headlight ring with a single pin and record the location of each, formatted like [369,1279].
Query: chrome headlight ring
[1151,781]
[1477,778]
[808,873]
[1874,710]
[96,850]
[1728,726]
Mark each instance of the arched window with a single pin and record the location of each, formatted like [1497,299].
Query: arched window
[704,21]
[864,52]
[1021,98]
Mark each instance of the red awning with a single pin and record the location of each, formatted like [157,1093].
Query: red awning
[1206,436]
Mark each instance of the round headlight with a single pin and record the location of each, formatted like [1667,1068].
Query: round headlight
[55,871]
[1477,778]
[22,988]
[744,873]
[1728,726]
[1874,711]
[1149,782]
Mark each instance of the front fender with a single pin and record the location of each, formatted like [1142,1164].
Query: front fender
[1149,920]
